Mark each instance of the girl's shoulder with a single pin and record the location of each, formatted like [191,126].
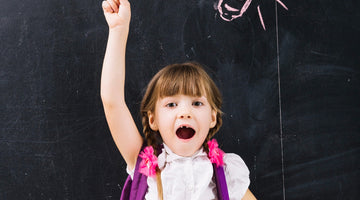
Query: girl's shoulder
[233,160]
[237,175]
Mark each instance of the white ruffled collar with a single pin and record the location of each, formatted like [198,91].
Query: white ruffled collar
[167,156]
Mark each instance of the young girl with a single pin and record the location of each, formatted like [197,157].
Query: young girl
[180,113]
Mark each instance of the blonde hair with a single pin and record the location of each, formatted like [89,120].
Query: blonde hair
[187,79]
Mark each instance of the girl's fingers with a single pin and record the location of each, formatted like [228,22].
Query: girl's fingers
[106,7]
[117,2]
[113,5]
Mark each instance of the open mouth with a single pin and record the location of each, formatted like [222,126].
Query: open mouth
[185,132]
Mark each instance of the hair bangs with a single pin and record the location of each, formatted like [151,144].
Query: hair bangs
[181,80]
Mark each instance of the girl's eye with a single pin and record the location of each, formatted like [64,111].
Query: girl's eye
[170,105]
[198,103]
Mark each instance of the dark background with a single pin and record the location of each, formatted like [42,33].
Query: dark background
[55,143]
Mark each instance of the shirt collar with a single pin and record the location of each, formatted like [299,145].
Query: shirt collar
[167,156]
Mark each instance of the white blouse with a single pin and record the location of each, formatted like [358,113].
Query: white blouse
[191,178]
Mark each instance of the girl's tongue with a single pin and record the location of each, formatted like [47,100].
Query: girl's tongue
[185,133]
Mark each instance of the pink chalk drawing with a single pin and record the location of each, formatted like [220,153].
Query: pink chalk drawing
[230,12]
[230,9]
[260,17]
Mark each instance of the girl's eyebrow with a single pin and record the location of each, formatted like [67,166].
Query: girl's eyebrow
[168,98]
[202,98]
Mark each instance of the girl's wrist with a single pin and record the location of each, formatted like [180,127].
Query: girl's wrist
[119,32]
[119,29]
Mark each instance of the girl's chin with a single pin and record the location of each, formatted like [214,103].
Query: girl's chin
[186,151]
[185,154]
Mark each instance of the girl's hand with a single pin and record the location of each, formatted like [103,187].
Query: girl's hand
[117,13]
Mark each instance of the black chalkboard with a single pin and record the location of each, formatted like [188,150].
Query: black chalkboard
[289,72]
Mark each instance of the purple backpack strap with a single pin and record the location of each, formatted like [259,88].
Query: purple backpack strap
[135,189]
[221,185]
[125,193]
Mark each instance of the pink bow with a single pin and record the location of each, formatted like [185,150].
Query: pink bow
[215,154]
[149,162]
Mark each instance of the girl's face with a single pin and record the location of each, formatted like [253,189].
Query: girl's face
[183,122]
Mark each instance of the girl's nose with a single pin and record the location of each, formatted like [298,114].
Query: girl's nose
[185,113]
[185,116]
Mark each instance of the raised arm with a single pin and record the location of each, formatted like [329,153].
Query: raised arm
[122,126]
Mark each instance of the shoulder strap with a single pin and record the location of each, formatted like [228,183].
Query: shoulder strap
[221,185]
[135,189]
[125,193]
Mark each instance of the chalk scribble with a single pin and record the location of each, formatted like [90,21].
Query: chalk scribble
[230,10]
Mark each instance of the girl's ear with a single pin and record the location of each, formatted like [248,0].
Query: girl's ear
[152,122]
[213,118]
